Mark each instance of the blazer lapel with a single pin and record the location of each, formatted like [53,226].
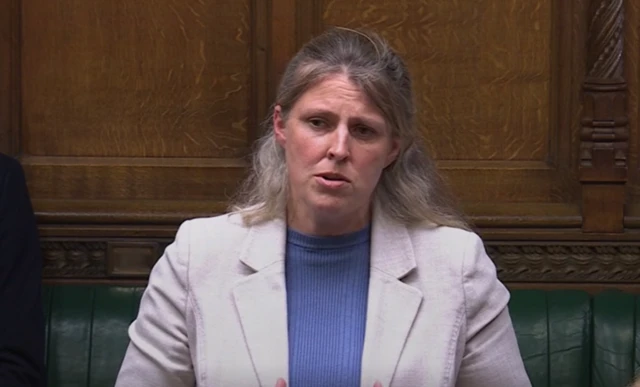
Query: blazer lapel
[261,302]
[392,305]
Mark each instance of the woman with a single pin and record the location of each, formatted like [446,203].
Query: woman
[342,263]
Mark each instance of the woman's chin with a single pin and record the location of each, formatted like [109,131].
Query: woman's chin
[332,205]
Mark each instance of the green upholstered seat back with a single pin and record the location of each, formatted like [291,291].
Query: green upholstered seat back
[553,335]
[86,333]
[616,326]
[567,338]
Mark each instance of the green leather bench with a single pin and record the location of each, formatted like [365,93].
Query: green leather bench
[567,338]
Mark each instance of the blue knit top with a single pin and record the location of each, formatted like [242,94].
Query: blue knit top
[327,283]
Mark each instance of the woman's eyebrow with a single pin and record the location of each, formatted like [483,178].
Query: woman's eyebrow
[367,119]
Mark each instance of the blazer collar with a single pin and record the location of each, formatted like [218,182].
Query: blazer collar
[261,300]
[392,305]
[391,249]
[265,244]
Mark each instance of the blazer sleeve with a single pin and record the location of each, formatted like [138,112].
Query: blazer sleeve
[491,356]
[22,315]
[159,354]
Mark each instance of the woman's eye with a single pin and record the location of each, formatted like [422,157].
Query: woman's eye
[364,131]
[316,122]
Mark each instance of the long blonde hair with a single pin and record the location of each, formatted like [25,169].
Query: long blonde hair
[410,190]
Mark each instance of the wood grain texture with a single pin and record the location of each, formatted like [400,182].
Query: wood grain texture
[283,37]
[604,134]
[140,112]
[9,76]
[121,218]
[481,70]
[144,78]
[131,259]
[262,84]
[5,74]
[122,98]
[632,75]
[132,179]
[123,102]
[498,89]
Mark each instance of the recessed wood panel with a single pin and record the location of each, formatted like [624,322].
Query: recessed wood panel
[482,71]
[498,93]
[132,104]
[132,116]
[126,259]
[136,78]
[135,111]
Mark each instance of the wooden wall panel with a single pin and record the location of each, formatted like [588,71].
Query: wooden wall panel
[632,74]
[5,74]
[136,78]
[483,94]
[132,101]
[130,116]
[604,131]
[9,76]
[497,88]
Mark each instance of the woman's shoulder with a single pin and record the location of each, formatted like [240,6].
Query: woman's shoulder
[446,236]
[453,255]
[451,247]
[230,219]
[208,241]
[207,227]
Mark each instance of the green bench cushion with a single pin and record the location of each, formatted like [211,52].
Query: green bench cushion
[86,333]
[567,338]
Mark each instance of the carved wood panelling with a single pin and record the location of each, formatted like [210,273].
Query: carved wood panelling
[100,258]
[574,262]
[567,263]
[128,121]
[604,135]
[632,76]
[75,259]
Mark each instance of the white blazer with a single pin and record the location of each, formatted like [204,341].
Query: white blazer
[214,312]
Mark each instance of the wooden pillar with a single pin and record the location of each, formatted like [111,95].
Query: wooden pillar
[10,77]
[604,133]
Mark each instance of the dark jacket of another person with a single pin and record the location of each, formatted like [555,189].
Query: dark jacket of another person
[21,312]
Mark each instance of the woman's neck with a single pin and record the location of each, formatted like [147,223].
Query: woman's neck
[325,224]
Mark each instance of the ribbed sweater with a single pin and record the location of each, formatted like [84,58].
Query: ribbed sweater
[327,283]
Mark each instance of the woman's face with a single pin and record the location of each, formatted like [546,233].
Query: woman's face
[336,144]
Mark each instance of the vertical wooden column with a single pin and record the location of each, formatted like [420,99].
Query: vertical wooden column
[604,134]
[293,23]
[9,76]
[283,39]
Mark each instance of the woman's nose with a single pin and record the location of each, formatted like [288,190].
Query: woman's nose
[339,147]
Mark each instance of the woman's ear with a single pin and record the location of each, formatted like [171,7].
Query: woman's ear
[393,152]
[279,129]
